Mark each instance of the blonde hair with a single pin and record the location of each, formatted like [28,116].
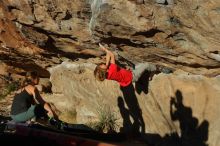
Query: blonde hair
[100,73]
[30,76]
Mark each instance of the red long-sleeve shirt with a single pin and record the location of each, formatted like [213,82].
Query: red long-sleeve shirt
[121,75]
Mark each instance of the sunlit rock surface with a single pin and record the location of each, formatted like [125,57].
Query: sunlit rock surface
[171,103]
[182,35]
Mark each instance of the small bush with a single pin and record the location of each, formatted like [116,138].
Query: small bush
[10,87]
[107,120]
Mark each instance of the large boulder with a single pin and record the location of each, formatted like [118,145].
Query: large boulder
[170,103]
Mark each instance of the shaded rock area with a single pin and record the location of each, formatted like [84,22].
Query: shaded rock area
[181,105]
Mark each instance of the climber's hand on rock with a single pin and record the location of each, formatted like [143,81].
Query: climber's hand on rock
[103,48]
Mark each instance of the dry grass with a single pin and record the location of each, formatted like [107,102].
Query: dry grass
[107,122]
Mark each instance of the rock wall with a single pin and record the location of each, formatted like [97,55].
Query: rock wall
[170,103]
[179,34]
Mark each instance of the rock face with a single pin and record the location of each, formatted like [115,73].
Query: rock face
[17,54]
[178,34]
[9,35]
[185,104]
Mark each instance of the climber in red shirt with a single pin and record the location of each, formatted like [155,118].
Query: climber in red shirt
[111,71]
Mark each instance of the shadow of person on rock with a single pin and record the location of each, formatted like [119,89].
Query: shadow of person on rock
[191,133]
[138,126]
[127,124]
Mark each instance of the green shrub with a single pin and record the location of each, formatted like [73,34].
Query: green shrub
[10,87]
[107,120]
